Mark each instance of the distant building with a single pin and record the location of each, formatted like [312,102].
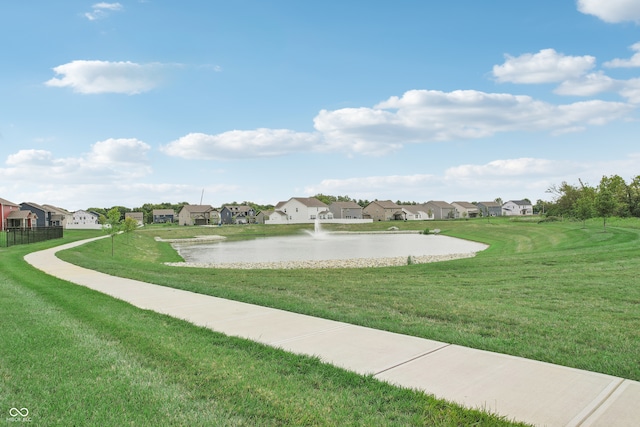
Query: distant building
[162,216]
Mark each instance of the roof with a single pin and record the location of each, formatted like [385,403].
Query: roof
[414,209]
[386,204]
[490,204]
[8,203]
[35,205]
[56,209]
[520,202]
[21,214]
[346,205]
[465,205]
[197,208]
[310,202]
[164,212]
[440,204]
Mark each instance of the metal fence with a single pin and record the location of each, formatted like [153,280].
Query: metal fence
[23,236]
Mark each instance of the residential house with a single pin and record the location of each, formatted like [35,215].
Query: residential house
[21,219]
[416,212]
[43,214]
[84,220]
[138,216]
[346,210]
[440,209]
[465,210]
[263,216]
[59,216]
[237,214]
[6,207]
[489,208]
[198,215]
[383,210]
[162,216]
[517,207]
[299,210]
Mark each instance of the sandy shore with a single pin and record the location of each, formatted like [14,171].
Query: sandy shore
[338,263]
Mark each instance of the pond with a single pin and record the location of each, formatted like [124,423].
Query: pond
[327,247]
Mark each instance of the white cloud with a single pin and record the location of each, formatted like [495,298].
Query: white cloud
[588,85]
[110,160]
[101,10]
[239,144]
[546,66]
[612,11]
[419,116]
[634,61]
[94,77]
[126,150]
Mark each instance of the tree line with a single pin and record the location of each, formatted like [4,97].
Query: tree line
[613,196]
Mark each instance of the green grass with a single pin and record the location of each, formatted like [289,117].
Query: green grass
[555,292]
[73,356]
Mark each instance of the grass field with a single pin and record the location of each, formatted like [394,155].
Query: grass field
[555,292]
[73,356]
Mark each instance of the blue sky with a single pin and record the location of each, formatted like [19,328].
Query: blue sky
[129,102]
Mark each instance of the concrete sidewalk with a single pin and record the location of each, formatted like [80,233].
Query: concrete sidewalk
[520,389]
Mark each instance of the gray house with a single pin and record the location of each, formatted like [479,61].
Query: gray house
[161,216]
[43,215]
[490,208]
[440,209]
[346,210]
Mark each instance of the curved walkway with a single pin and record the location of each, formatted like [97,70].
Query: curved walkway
[521,389]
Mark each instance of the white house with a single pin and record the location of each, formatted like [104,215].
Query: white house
[84,220]
[416,213]
[299,210]
[517,207]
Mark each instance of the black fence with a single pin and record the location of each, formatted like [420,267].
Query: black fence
[23,236]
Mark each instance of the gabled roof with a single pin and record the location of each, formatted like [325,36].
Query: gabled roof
[56,209]
[8,203]
[440,204]
[520,202]
[21,215]
[490,204]
[346,205]
[310,202]
[386,204]
[465,205]
[35,205]
[414,209]
[164,212]
[197,208]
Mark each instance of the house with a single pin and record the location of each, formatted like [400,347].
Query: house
[6,207]
[416,212]
[346,210]
[440,209]
[198,215]
[263,216]
[299,210]
[138,216]
[59,216]
[162,216]
[43,214]
[465,210]
[383,210]
[489,208]
[21,219]
[517,207]
[237,214]
[84,220]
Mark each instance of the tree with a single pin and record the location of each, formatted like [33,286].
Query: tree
[111,223]
[584,208]
[128,226]
[605,204]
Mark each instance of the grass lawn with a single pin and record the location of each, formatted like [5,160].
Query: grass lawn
[73,356]
[555,292]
